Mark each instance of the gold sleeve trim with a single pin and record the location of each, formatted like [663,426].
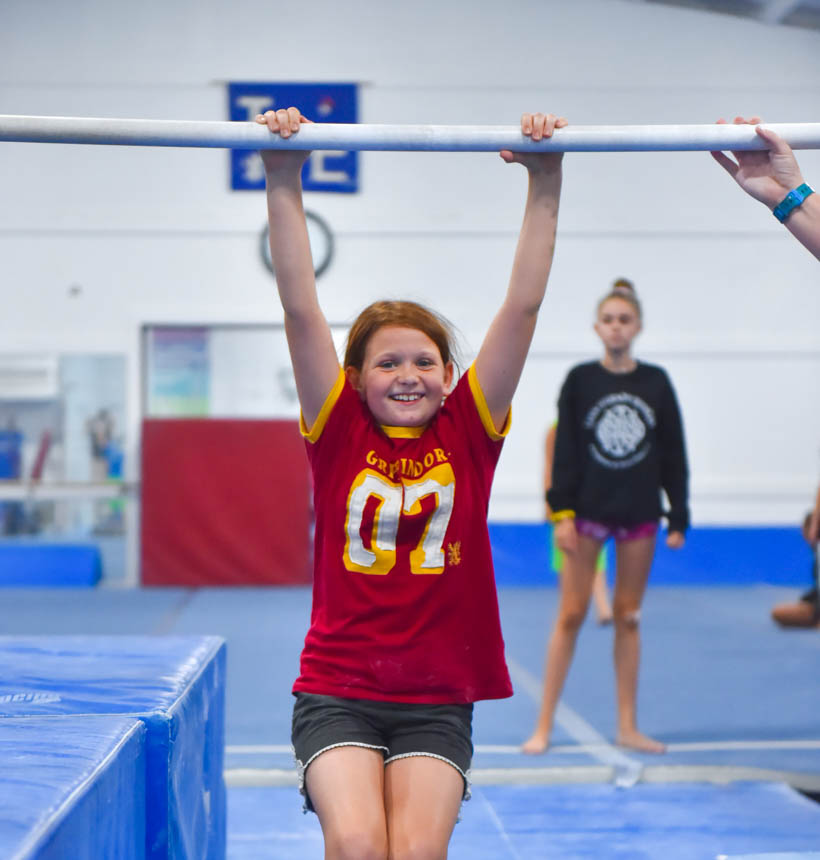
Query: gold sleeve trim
[483,409]
[315,431]
[563,515]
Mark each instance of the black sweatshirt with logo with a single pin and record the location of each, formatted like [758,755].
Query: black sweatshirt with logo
[619,441]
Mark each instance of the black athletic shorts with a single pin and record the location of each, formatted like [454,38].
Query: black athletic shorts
[396,729]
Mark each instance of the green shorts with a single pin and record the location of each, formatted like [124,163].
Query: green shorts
[557,557]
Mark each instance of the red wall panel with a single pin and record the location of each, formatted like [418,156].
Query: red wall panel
[224,502]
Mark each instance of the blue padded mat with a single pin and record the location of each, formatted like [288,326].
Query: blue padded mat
[513,822]
[60,781]
[174,684]
[28,562]
[714,555]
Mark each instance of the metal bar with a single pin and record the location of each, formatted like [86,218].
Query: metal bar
[438,138]
[52,492]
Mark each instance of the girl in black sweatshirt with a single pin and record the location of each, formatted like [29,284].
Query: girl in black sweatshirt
[619,443]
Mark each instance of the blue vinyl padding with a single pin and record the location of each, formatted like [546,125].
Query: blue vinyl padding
[673,821]
[175,685]
[713,555]
[30,563]
[72,787]
[717,555]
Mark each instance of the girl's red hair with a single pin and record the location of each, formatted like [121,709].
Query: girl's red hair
[397,313]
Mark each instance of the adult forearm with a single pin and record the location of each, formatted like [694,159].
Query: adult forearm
[804,224]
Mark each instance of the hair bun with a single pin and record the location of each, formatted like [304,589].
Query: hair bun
[623,285]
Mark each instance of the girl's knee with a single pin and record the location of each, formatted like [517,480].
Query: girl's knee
[357,844]
[626,617]
[571,619]
[416,848]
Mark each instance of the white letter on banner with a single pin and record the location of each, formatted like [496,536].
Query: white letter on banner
[320,173]
[255,104]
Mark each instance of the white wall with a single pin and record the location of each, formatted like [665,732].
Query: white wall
[154,235]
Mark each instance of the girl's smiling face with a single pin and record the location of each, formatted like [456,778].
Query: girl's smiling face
[403,379]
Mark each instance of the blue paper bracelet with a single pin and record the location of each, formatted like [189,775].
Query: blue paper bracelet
[791,201]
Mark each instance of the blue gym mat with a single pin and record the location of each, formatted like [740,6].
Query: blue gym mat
[655,822]
[173,684]
[60,780]
[734,696]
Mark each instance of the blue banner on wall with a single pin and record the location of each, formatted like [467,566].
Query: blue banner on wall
[326,170]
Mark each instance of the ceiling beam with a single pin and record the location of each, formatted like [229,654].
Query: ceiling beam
[774,11]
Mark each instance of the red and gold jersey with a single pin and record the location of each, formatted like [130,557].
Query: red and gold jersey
[404,600]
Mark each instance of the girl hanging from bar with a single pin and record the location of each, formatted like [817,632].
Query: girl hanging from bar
[404,632]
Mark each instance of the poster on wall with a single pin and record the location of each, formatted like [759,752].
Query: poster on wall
[327,170]
[178,371]
[220,371]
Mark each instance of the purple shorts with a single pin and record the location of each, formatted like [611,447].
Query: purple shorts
[602,531]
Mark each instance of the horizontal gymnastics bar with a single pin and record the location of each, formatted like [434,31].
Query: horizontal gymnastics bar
[439,138]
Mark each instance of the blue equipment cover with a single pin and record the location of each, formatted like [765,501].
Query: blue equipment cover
[28,563]
[715,555]
[61,780]
[175,685]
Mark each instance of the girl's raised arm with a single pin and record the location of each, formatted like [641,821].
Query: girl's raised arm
[501,357]
[312,353]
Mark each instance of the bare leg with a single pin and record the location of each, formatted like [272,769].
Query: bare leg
[346,786]
[422,798]
[633,563]
[798,614]
[576,588]
[601,598]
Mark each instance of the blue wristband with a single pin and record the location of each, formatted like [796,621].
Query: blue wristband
[791,201]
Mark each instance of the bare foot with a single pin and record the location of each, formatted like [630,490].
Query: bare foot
[636,740]
[536,745]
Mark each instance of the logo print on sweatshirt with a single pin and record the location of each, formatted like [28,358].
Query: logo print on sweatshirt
[620,430]
[620,423]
